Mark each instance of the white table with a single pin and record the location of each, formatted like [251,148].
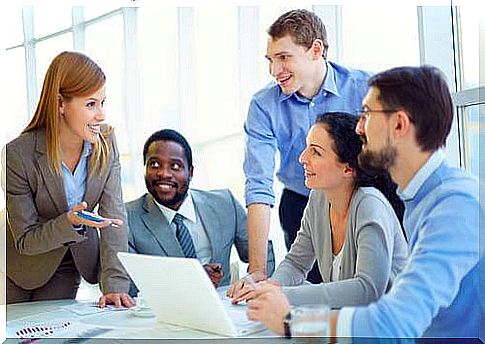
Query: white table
[115,325]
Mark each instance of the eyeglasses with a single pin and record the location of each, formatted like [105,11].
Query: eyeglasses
[365,113]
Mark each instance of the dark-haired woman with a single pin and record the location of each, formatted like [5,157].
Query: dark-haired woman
[349,227]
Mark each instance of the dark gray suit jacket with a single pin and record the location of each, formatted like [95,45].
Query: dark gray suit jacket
[39,234]
[222,216]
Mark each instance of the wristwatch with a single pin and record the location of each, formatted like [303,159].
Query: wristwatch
[286,324]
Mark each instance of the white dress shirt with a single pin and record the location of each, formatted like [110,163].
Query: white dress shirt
[192,220]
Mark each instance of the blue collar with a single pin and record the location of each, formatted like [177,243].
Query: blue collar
[421,176]
[328,86]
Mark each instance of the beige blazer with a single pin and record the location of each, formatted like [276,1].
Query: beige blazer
[38,233]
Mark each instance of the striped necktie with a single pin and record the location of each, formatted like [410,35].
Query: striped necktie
[183,236]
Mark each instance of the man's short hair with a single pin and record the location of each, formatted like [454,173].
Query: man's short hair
[424,94]
[168,135]
[303,26]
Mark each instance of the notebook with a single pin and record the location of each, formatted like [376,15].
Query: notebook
[179,292]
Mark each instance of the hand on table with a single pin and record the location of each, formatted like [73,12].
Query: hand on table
[116,299]
[214,270]
[269,305]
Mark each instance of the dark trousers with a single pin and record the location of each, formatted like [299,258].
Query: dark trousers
[62,285]
[291,210]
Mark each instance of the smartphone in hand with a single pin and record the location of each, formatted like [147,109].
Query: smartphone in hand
[92,217]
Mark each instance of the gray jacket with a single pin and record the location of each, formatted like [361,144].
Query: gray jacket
[39,234]
[222,216]
[374,252]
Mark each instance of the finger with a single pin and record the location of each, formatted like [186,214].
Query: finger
[116,300]
[127,300]
[117,222]
[246,297]
[81,206]
[265,287]
[241,294]
[102,302]
[234,287]
[251,314]
[230,291]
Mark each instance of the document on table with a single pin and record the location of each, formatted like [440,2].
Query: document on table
[88,308]
[238,315]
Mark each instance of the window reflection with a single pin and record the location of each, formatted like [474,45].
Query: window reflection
[470,44]
[474,133]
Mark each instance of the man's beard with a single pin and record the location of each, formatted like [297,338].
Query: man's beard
[376,162]
[178,197]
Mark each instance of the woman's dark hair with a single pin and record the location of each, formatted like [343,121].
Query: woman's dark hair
[347,145]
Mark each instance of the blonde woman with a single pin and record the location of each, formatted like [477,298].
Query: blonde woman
[64,161]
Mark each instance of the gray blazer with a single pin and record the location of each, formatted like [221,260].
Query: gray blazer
[374,252]
[222,216]
[39,234]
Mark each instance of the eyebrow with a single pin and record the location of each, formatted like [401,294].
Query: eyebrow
[278,54]
[95,99]
[316,145]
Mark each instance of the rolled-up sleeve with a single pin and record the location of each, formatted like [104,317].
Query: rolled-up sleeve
[259,160]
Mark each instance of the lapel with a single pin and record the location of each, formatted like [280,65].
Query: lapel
[93,186]
[210,222]
[159,227]
[53,182]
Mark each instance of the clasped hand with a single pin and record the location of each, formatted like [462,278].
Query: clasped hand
[214,270]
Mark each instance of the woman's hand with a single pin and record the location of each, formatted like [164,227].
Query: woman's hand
[269,305]
[77,220]
[117,299]
[243,289]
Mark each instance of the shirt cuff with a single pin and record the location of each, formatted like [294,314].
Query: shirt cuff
[344,322]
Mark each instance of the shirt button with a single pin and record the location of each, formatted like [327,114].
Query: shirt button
[312,104]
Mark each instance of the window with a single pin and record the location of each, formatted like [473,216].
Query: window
[469,97]
[195,69]
[375,38]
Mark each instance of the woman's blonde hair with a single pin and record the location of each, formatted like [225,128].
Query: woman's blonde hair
[70,74]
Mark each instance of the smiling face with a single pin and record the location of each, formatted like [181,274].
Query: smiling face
[323,169]
[291,65]
[81,117]
[167,173]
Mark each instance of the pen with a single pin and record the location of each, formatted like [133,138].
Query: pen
[93,217]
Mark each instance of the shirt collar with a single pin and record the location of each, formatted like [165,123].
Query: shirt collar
[328,86]
[421,176]
[87,149]
[187,210]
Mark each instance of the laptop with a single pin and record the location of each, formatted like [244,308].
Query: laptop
[179,292]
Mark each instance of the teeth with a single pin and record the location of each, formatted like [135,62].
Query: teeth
[164,186]
[281,80]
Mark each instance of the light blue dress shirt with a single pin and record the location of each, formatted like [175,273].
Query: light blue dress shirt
[437,293]
[75,183]
[280,122]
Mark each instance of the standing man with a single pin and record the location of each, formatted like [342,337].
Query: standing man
[280,116]
[406,118]
[175,220]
